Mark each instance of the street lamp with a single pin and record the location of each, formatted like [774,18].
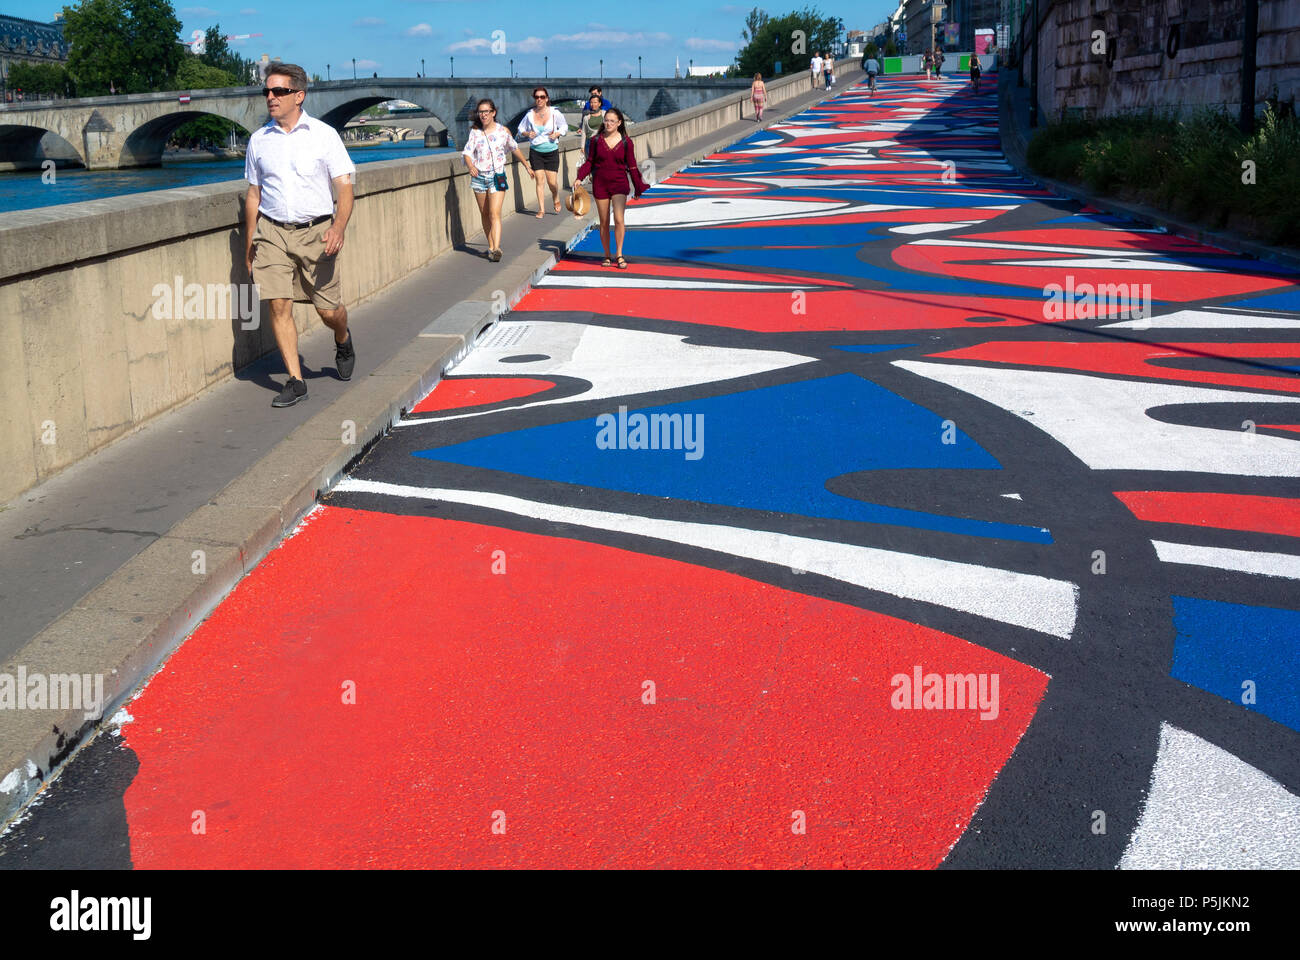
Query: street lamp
[327,71]
[692,67]
[422,66]
[546,67]
[512,68]
[602,68]
[354,68]
[453,68]
[638,67]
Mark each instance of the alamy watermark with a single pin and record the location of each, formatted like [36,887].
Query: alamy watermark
[206,301]
[53,691]
[951,691]
[655,431]
[1084,301]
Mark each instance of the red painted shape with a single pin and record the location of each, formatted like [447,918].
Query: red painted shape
[1228,511]
[770,312]
[1281,426]
[1132,359]
[522,692]
[997,265]
[454,393]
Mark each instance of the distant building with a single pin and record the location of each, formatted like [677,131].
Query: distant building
[30,41]
[707,71]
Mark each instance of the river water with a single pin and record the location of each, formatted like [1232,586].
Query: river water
[24,190]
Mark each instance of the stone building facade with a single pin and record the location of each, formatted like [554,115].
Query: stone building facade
[1103,57]
[30,41]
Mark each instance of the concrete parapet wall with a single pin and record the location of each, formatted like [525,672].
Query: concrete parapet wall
[85,359]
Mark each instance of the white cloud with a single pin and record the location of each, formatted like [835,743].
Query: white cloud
[597,26]
[199,12]
[367,64]
[468,32]
[248,12]
[697,43]
[420,30]
[369,22]
[591,39]
[477,45]
[528,45]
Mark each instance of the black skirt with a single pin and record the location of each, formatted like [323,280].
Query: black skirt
[544,161]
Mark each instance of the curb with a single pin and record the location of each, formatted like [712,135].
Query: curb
[1015,142]
[126,628]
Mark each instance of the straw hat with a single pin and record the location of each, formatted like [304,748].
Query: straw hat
[578,202]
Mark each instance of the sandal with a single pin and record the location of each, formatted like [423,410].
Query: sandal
[605,262]
[622,264]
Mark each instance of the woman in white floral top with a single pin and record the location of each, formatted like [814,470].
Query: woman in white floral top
[485,156]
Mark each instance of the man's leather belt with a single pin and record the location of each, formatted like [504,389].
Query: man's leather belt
[298,226]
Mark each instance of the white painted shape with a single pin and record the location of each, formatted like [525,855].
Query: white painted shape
[914,228]
[1107,263]
[718,210]
[1209,320]
[1026,600]
[1013,496]
[1225,558]
[1104,421]
[1207,809]
[616,362]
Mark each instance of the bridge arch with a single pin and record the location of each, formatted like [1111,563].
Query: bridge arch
[144,145]
[338,115]
[24,147]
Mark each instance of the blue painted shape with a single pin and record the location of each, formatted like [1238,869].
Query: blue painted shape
[1275,301]
[1220,645]
[874,347]
[772,448]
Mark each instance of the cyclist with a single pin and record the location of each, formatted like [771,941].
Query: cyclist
[872,68]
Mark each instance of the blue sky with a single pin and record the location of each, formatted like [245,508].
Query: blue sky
[390,36]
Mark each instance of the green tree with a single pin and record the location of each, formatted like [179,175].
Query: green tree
[194,74]
[39,78]
[130,44]
[772,39]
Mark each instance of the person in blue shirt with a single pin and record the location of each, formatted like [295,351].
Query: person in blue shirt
[595,92]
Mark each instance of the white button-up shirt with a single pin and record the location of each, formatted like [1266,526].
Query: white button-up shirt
[294,168]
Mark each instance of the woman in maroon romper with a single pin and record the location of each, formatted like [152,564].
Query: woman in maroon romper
[611,160]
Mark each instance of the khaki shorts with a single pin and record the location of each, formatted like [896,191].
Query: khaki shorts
[292,265]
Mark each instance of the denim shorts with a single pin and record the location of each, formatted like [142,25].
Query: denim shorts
[483,183]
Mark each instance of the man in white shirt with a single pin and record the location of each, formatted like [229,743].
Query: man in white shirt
[873,68]
[816,68]
[291,226]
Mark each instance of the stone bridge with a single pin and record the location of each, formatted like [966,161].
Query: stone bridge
[106,133]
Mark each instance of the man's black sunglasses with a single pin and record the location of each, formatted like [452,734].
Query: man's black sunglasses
[278,91]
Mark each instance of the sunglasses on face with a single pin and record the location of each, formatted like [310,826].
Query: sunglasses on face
[486,113]
[277,91]
[540,96]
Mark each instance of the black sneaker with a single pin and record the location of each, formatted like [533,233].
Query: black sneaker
[293,391]
[345,358]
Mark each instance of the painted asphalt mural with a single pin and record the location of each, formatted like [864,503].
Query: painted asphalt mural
[887,512]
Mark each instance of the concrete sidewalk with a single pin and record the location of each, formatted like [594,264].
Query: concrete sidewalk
[110,564]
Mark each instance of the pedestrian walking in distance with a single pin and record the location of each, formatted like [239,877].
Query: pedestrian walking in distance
[758,94]
[593,118]
[975,73]
[542,127]
[815,67]
[611,161]
[485,156]
[828,65]
[291,225]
